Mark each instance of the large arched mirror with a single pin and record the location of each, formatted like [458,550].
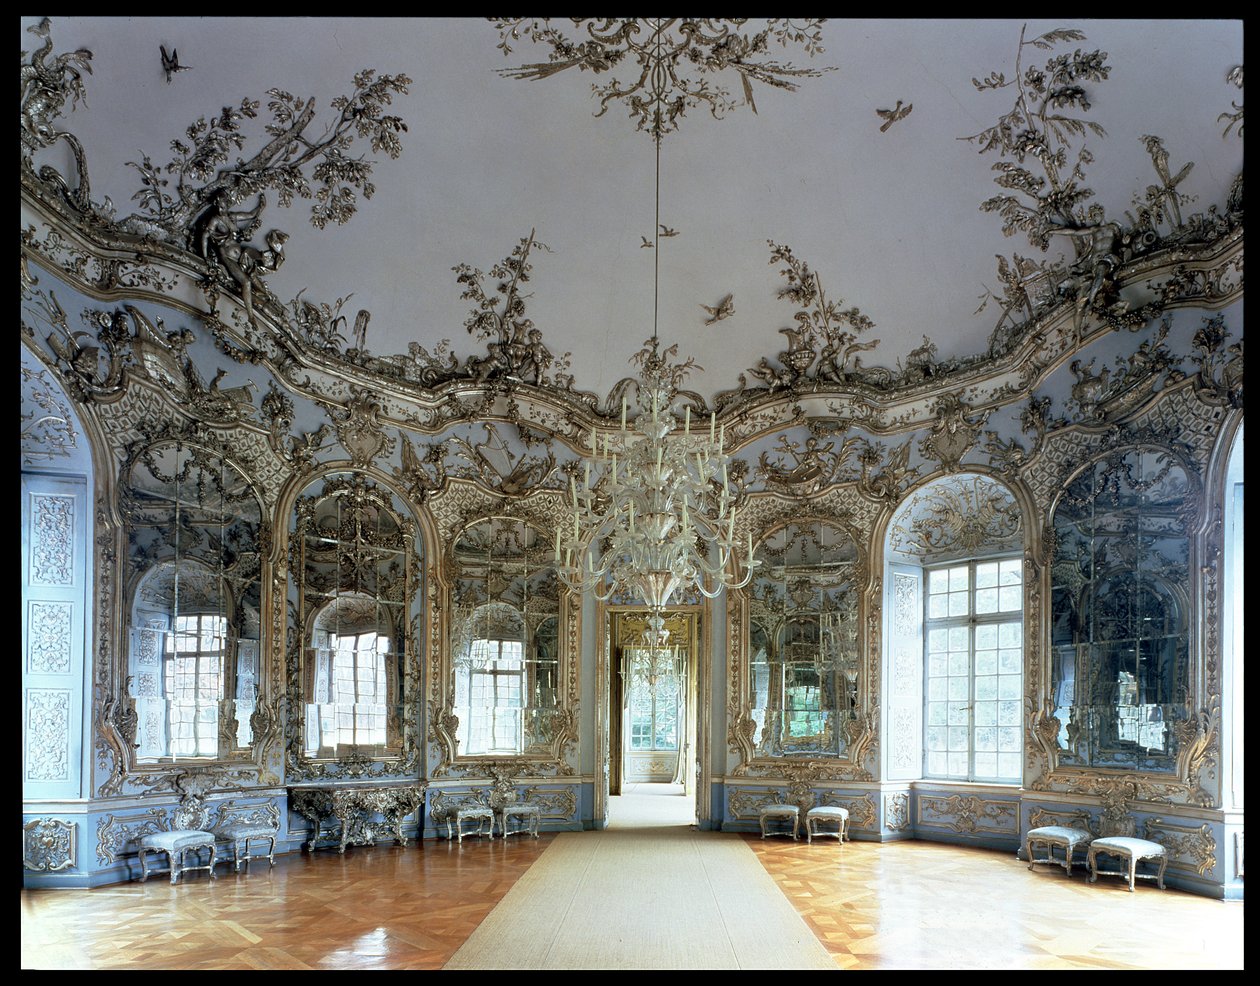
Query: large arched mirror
[505,653]
[194,533]
[803,641]
[355,573]
[1120,626]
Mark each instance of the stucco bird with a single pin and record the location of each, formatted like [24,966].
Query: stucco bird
[170,63]
[893,115]
[723,309]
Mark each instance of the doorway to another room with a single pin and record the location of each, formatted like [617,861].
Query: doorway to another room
[652,722]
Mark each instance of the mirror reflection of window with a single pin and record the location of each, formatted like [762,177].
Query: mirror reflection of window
[505,639]
[192,671]
[803,640]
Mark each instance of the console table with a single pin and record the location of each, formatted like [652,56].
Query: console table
[352,805]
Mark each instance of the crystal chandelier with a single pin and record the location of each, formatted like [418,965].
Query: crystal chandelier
[660,514]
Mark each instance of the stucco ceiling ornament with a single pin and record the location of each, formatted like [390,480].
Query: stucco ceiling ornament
[47,85]
[359,428]
[660,49]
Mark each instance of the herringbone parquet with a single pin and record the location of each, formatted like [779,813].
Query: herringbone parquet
[923,905]
[374,908]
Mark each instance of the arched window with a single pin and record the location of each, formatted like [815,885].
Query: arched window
[956,634]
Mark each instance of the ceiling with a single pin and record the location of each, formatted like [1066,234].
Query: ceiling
[889,219]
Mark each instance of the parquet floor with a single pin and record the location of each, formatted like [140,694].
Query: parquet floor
[896,905]
[923,905]
[379,907]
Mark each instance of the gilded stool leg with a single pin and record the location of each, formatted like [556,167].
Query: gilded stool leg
[212,852]
[1132,870]
[144,865]
[1091,860]
[271,850]
[1163,864]
[171,856]
[1067,856]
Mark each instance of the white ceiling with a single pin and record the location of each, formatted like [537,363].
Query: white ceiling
[889,220]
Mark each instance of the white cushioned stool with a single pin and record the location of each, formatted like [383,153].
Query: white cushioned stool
[827,813]
[190,822]
[766,812]
[1132,850]
[532,815]
[484,817]
[238,832]
[1055,835]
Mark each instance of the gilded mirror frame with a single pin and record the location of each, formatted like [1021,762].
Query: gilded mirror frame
[134,568]
[1197,732]
[401,752]
[444,722]
[766,515]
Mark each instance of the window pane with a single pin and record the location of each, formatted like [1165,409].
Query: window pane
[1010,634]
[1008,713]
[986,739]
[986,662]
[1008,767]
[937,607]
[938,581]
[958,664]
[986,636]
[935,738]
[957,764]
[958,690]
[937,689]
[958,604]
[986,713]
[958,738]
[936,665]
[986,574]
[957,714]
[1011,597]
[937,764]
[937,640]
[958,578]
[1008,738]
[958,638]
[986,764]
[1008,686]
[1011,574]
[1008,663]
[986,600]
[937,712]
[986,688]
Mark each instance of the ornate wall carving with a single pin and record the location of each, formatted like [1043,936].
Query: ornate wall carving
[969,815]
[52,537]
[47,734]
[49,844]
[897,811]
[1191,848]
[48,628]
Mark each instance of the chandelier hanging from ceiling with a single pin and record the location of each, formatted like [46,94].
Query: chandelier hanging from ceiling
[659,515]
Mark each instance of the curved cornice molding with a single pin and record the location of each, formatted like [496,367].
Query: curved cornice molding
[108,264]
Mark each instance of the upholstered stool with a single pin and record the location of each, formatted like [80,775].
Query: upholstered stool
[484,817]
[190,822]
[1133,851]
[238,832]
[532,815]
[827,813]
[1055,835]
[767,812]
[175,844]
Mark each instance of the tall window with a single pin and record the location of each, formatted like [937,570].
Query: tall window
[193,680]
[974,665]
[494,677]
[654,713]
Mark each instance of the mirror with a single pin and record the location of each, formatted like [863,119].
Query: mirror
[505,640]
[1120,630]
[194,527]
[356,578]
[803,641]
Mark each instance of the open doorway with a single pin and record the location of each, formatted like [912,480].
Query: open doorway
[652,721]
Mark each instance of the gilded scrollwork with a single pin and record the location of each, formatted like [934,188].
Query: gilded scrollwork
[1190,847]
[897,811]
[969,815]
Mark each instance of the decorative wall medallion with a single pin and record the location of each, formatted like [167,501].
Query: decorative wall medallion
[1190,847]
[1039,817]
[48,637]
[905,752]
[47,734]
[48,844]
[359,429]
[897,811]
[52,539]
[969,815]
[953,434]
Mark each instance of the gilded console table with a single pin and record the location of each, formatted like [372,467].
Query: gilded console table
[352,805]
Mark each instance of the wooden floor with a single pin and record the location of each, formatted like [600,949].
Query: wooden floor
[924,905]
[896,905]
[380,907]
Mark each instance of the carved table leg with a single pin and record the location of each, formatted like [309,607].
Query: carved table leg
[395,821]
[344,818]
